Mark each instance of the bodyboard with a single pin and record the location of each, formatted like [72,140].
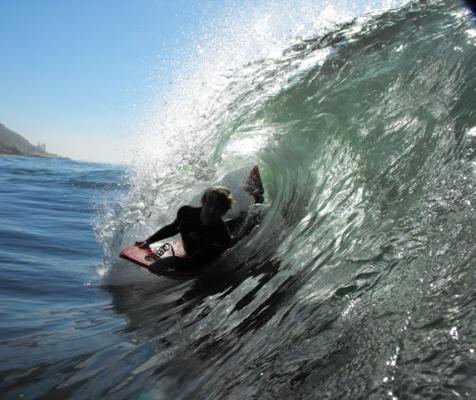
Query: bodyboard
[144,257]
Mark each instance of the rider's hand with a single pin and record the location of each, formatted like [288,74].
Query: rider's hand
[143,244]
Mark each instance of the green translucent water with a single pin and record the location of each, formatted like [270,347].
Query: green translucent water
[360,283]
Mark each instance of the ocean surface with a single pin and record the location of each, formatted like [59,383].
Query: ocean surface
[359,283]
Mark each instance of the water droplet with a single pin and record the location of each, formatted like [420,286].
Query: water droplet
[454,332]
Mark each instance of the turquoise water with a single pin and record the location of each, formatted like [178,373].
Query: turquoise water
[359,283]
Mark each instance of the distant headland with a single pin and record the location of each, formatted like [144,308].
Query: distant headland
[12,143]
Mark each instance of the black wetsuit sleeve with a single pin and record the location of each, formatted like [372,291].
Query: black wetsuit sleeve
[163,233]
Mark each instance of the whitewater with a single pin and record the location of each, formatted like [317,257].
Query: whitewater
[358,284]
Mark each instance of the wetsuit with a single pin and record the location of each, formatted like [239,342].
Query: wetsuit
[202,243]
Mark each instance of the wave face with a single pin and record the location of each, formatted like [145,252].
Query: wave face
[360,281]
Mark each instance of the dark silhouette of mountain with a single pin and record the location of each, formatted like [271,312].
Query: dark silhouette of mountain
[14,144]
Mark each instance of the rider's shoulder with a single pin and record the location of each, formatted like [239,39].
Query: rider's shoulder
[185,211]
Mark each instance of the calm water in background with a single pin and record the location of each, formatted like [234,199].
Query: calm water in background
[360,282]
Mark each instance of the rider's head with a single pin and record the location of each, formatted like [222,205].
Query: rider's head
[217,200]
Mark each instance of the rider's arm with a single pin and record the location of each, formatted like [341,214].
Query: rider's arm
[168,230]
[163,233]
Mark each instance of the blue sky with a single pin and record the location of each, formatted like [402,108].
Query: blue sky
[78,74]
[83,75]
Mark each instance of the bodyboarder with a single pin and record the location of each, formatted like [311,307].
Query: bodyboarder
[204,234]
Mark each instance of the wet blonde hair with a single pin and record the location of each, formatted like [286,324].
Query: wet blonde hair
[220,196]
